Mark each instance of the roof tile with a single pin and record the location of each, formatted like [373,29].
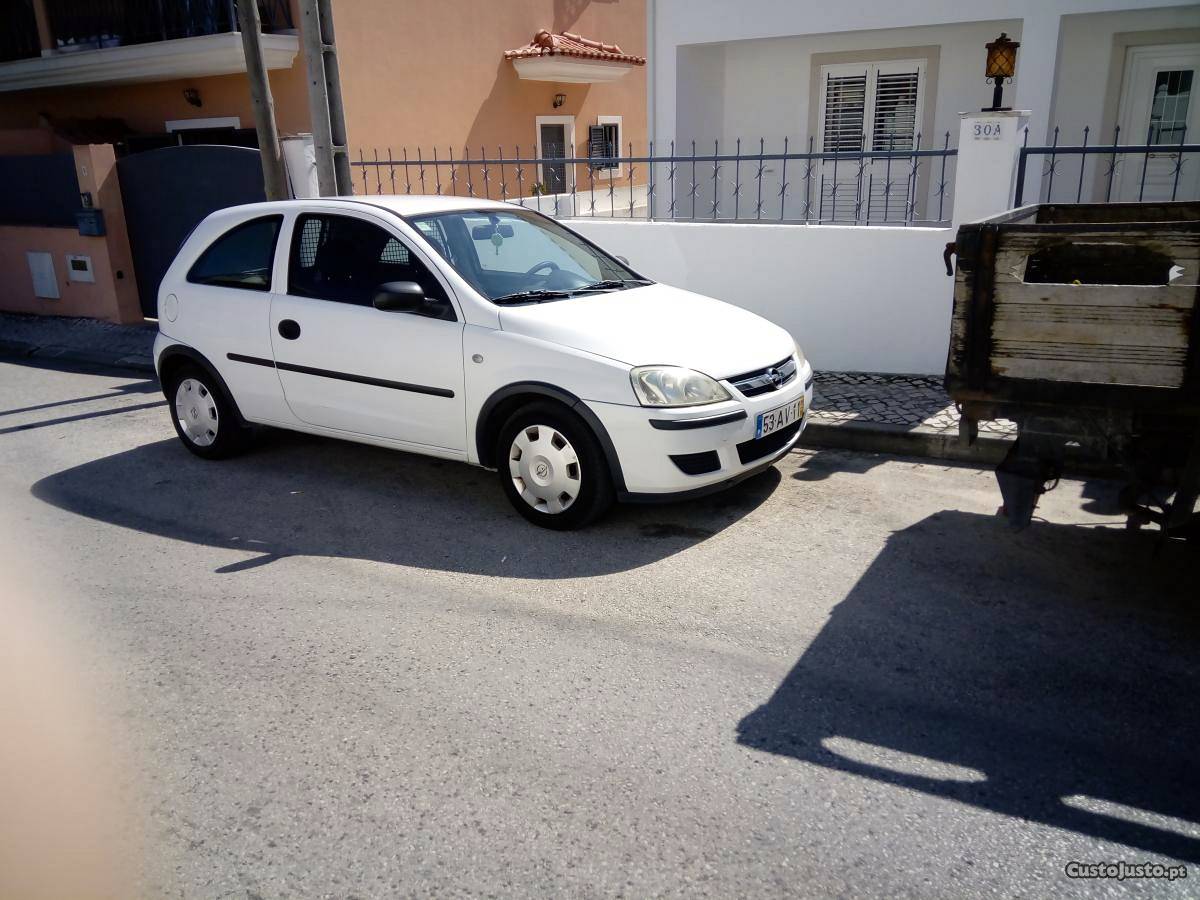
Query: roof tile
[545,43]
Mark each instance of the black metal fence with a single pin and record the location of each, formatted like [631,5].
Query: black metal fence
[896,186]
[1163,168]
[92,24]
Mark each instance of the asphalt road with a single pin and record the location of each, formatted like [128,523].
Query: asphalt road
[323,669]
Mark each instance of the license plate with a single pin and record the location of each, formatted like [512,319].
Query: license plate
[780,417]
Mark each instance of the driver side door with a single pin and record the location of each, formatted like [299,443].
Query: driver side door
[348,366]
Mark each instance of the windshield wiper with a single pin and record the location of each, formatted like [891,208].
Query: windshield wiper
[529,297]
[613,284]
[537,296]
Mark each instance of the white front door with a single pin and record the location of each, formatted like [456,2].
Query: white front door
[1158,107]
[346,365]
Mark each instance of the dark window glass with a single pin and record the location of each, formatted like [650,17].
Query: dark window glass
[241,257]
[345,259]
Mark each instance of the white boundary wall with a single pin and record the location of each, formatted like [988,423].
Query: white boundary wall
[857,299]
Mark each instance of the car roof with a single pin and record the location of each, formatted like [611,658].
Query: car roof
[400,204]
[419,204]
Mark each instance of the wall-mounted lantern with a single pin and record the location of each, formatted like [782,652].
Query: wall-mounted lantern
[559,100]
[1001,64]
[192,96]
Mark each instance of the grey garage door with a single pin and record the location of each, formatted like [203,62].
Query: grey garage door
[167,192]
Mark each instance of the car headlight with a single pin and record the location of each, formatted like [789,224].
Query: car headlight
[673,386]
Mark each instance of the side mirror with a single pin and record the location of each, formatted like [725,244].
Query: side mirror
[622,260]
[399,296]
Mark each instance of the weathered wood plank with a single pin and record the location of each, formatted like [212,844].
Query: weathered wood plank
[1140,374]
[1089,334]
[1087,213]
[1015,237]
[1147,296]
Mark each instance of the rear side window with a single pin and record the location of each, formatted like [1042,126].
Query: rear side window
[345,259]
[241,257]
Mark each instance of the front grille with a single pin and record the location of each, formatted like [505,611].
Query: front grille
[762,381]
[749,451]
[697,463]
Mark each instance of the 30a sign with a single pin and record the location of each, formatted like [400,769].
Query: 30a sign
[987,129]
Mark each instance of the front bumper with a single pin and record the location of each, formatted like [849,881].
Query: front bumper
[656,446]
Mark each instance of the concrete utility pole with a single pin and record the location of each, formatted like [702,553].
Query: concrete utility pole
[325,97]
[274,178]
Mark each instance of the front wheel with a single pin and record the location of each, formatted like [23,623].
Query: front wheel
[203,416]
[552,467]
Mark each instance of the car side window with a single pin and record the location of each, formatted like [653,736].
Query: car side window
[345,259]
[240,258]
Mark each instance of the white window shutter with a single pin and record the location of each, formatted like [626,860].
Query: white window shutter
[894,119]
[844,112]
[874,107]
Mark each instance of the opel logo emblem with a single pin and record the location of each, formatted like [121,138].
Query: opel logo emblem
[776,377]
[543,470]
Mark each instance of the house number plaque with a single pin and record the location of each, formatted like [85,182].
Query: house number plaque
[987,130]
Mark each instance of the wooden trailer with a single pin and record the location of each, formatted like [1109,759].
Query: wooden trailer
[1080,323]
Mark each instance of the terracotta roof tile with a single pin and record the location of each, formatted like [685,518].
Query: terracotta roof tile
[567,44]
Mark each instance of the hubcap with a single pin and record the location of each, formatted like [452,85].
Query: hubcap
[544,468]
[197,412]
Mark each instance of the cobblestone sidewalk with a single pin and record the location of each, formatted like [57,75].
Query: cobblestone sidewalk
[908,401]
[78,339]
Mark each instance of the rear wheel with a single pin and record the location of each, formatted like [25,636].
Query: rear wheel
[552,467]
[204,417]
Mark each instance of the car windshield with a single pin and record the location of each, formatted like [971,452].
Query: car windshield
[518,256]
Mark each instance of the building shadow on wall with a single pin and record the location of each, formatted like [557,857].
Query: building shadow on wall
[1049,676]
[492,130]
[297,495]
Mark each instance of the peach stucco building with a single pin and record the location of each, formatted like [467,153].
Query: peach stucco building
[105,81]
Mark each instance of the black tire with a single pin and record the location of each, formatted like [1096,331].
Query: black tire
[595,487]
[228,435]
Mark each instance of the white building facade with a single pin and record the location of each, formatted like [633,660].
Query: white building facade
[817,73]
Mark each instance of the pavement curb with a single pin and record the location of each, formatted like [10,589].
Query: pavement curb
[882,437]
[143,365]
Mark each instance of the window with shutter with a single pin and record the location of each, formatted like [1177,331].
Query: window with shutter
[604,143]
[875,107]
[880,102]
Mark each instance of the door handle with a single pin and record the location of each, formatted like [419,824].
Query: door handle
[289,329]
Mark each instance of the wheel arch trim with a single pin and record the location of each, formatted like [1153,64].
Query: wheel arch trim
[183,353]
[542,389]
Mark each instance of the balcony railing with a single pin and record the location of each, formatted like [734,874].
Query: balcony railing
[94,24]
[19,36]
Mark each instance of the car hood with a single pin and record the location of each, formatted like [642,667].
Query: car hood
[656,324]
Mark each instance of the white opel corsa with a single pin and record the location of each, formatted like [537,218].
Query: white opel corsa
[475,331]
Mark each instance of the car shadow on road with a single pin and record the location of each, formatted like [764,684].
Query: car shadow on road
[1049,675]
[300,495]
[817,465]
